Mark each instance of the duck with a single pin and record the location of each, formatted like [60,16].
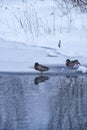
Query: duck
[40,67]
[59,44]
[72,63]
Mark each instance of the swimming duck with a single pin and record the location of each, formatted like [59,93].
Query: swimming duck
[40,67]
[71,63]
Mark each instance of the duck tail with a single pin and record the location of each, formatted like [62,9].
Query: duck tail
[77,62]
[47,68]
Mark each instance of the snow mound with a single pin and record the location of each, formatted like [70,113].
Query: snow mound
[51,54]
[82,69]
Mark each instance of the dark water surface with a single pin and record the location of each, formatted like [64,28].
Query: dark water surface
[31,102]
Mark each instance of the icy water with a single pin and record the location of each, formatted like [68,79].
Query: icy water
[51,102]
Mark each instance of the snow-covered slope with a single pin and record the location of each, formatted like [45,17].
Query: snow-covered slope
[30,31]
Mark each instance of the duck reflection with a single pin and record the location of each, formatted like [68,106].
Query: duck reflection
[40,79]
[68,76]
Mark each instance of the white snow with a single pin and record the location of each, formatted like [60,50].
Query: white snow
[29,34]
[51,54]
[82,69]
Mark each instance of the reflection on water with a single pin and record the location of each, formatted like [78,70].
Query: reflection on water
[40,79]
[59,103]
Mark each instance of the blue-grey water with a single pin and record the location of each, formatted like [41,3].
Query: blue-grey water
[48,102]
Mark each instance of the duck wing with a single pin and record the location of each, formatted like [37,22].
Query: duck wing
[42,67]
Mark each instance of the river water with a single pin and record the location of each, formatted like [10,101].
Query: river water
[33,102]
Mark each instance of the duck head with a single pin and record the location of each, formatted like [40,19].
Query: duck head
[36,65]
[67,61]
